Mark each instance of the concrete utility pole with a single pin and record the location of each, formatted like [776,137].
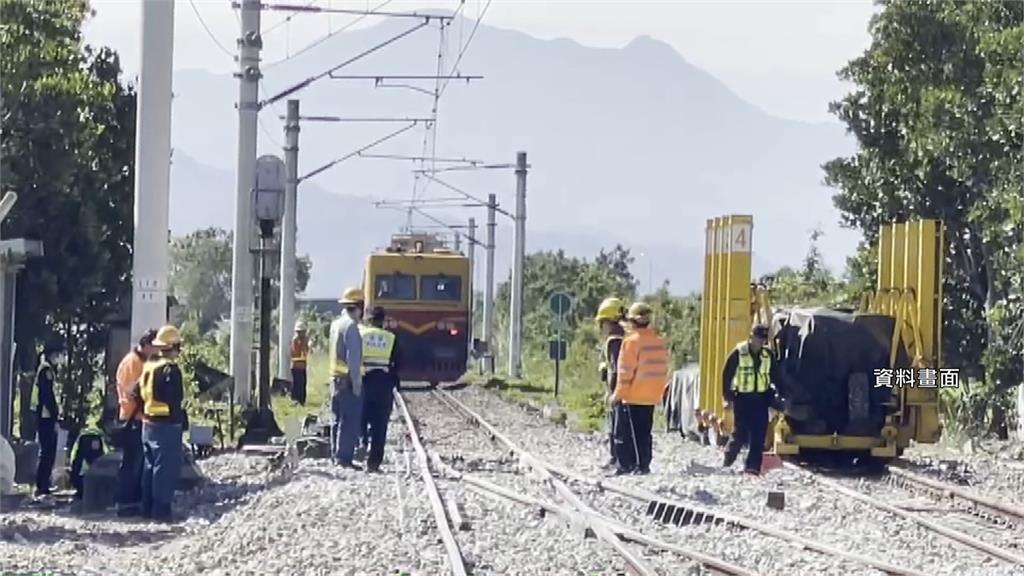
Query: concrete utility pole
[458,242]
[152,170]
[289,227]
[249,44]
[492,209]
[472,276]
[515,336]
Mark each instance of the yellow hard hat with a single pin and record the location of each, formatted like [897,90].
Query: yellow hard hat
[610,309]
[167,337]
[352,296]
[639,311]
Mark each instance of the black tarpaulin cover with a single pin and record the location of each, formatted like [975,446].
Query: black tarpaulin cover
[828,360]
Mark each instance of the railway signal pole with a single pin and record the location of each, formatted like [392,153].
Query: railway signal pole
[492,210]
[289,226]
[249,44]
[472,278]
[515,336]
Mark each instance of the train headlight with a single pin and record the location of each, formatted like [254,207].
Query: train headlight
[454,331]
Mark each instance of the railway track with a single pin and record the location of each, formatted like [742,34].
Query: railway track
[914,482]
[613,534]
[668,510]
[988,509]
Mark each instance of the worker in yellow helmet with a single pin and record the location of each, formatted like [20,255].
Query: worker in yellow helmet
[163,421]
[642,378]
[747,386]
[609,321]
[346,353]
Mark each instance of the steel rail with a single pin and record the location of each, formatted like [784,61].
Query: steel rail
[1015,512]
[952,534]
[649,498]
[455,559]
[586,514]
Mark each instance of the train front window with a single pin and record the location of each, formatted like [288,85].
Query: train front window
[445,288]
[394,287]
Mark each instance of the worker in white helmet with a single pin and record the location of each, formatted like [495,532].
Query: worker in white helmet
[300,357]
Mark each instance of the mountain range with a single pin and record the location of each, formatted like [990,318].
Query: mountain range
[633,146]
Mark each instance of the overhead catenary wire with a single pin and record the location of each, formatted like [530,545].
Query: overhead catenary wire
[462,51]
[202,22]
[287,19]
[328,36]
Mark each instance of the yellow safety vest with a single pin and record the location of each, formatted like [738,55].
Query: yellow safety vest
[151,406]
[604,352]
[378,344]
[338,365]
[78,443]
[747,381]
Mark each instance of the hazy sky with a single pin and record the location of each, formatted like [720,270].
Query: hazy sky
[781,56]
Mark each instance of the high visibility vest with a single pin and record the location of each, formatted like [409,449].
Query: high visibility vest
[151,405]
[643,368]
[94,450]
[746,380]
[300,353]
[338,365]
[378,344]
[604,352]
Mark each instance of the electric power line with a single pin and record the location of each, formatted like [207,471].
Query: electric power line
[465,47]
[287,19]
[209,32]
[327,36]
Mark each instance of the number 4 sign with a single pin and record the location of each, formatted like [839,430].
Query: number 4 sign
[741,237]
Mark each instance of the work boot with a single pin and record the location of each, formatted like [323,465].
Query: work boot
[351,465]
[642,471]
[728,460]
[751,471]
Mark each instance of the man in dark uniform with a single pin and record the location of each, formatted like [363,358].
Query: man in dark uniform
[380,361]
[47,413]
[747,386]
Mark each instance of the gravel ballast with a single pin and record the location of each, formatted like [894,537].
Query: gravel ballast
[693,472]
[255,518]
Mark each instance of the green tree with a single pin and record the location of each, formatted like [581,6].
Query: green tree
[811,285]
[200,276]
[68,146]
[938,116]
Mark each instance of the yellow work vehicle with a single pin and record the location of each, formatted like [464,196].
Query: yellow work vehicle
[860,382]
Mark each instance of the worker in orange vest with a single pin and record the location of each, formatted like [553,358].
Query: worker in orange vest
[300,356]
[129,402]
[642,377]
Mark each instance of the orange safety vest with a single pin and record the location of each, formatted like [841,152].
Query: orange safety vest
[300,353]
[643,368]
[129,371]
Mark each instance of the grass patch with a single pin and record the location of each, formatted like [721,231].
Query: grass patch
[317,392]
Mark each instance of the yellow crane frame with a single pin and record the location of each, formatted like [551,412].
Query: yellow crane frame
[909,288]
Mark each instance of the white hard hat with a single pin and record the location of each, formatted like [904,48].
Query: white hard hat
[300,326]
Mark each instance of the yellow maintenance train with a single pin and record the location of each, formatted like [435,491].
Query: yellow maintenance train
[425,291]
[861,383]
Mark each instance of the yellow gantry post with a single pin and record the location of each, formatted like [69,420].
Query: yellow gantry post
[910,289]
[726,311]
